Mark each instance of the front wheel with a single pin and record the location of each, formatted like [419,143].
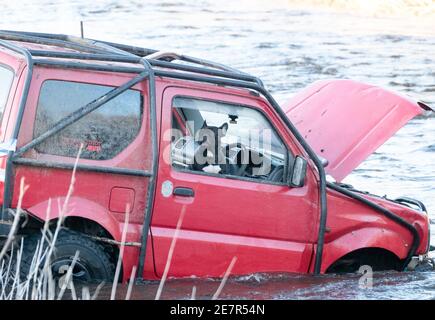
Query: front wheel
[93,263]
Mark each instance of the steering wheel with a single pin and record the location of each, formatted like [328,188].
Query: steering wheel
[242,167]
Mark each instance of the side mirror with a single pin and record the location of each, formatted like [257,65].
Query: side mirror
[297,172]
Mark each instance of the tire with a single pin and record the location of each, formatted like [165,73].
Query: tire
[93,264]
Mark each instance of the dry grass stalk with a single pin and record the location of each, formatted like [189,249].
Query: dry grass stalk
[193,295]
[97,291]
[170,253]
[68,279]
[131,283]
[86,295]
[121,253]
[13,231]
[224,279]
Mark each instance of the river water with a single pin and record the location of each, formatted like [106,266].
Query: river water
[288,47]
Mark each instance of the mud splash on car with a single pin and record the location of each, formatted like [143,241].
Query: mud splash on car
[288,48]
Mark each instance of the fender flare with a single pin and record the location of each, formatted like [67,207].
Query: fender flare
[78,207]
[365,238]
[416,240]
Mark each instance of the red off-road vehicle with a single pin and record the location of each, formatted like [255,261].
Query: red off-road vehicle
[158,136]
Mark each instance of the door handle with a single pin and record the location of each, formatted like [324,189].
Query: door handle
[183,192]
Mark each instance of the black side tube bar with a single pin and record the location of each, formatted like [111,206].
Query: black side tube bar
[388,214]
[82,167]
[80,113]
[152,182]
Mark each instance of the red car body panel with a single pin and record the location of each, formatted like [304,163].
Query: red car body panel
[345,121]
[269,228]
[352,225]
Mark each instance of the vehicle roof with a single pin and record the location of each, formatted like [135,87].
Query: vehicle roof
[58,49]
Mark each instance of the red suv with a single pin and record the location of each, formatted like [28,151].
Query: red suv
[257,181]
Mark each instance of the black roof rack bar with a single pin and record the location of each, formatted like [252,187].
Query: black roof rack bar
[109,51]
[86,66]
[139,51]
[208,63]
[100,46]
[84,56]
[162,55]
[174,56]
[201,78]
[207,71]
[39,34]
[52,42]
[126,49]
[155,63]
[124,69]
[126,59]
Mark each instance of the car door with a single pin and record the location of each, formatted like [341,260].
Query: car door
[257,218]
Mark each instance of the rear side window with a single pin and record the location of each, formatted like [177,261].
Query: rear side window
[104,132]
[6,78]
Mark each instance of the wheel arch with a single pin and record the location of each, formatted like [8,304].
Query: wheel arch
[78,208]
[82,216]
[365,239]
[377,258]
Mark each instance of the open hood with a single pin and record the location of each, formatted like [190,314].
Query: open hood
[345,121]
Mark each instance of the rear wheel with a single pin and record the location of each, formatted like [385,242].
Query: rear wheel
[93,263]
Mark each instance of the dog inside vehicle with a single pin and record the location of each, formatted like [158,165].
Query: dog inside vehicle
[210,140]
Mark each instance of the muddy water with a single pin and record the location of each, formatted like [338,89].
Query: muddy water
[288,47]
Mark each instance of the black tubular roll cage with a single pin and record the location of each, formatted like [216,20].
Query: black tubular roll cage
[153,63]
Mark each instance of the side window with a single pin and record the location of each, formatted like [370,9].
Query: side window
[6,79]
[224,139]
[104,133]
